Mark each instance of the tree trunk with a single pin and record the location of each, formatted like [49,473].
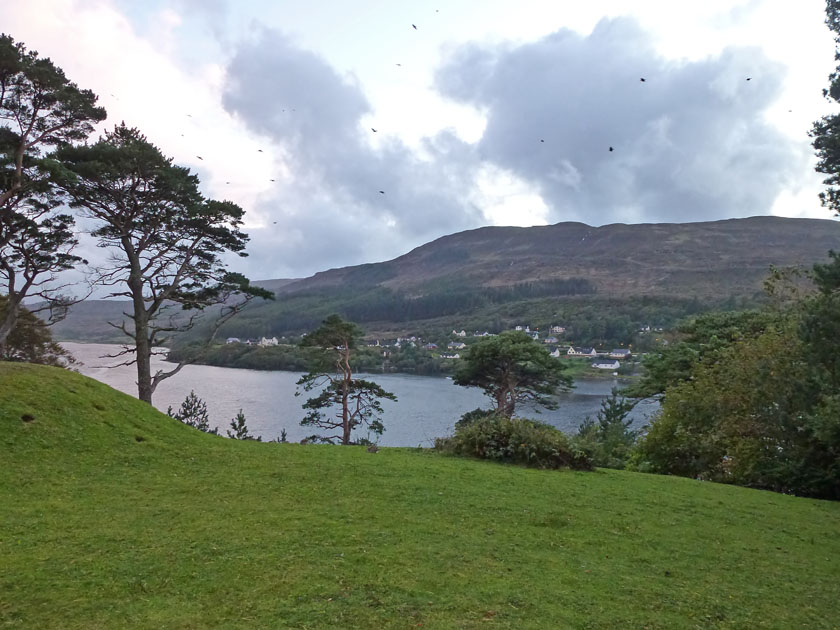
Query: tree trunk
[142,346]
[10,318]
[143,353]
[345,394]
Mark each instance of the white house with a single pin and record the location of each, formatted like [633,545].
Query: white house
[581,352]
[551,340]
[534,335]
[233,340]
[450,356]
[606,365]
[556,353]
[456,345]
[264,343]
[619,353]
[558,330]
[462,333]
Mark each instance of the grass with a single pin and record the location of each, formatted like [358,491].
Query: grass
[114,515]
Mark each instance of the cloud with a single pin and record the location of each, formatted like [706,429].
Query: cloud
[690,142]
[329,210]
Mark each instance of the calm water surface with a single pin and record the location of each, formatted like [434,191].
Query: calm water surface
[427,408]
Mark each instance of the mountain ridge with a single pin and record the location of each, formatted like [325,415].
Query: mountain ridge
[578,245]
[490,276]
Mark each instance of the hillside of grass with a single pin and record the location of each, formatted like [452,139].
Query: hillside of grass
[116,516]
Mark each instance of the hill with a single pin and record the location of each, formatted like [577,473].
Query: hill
[621,275]
[703,259]
[115,515]
[603,283]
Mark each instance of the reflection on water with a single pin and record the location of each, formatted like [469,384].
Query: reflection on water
[427,407]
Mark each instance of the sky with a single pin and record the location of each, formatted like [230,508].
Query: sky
[485,113]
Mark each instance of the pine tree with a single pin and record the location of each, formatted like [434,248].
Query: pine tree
[193,413]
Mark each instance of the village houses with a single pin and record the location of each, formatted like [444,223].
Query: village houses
[581,352]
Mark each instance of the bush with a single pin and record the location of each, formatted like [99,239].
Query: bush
[239,429]
[514,440]
[193,413]
[609,441]
[473,416]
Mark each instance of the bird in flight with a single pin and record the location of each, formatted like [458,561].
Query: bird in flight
[642,79]
[189,115]
[400,65]
[259,150]
[749,78]
[541,140]
[272,180]
[611,149]
[373,130]
[199,157]
[414,27]
[381,192]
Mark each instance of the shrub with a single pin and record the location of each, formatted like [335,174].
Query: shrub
[473,416]
[514,440]
[609,441]
[193,412]
[239,429]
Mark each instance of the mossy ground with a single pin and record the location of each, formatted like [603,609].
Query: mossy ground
[114,515]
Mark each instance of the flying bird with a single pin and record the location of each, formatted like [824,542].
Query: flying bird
[611,149]
[259,150]
[199,157]
[381,192]
[272,180]
[275,222]
[749,78]
[400,65]
[541,140]
[189,115]
[414,27]
[642,79]
[373,130]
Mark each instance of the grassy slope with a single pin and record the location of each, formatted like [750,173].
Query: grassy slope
[186,530]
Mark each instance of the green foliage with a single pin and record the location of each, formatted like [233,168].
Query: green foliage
[39,109]
[609,441]
[343,403]
[512,368]
[701,338]
[756,416]
[30,341]
[826,131]
[193,413]
[474,416]
[362,399]
[239,429]
[514,441]
[166,239]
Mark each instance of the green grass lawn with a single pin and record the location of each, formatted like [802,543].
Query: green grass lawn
[116,516]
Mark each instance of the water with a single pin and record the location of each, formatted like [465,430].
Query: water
[427,406]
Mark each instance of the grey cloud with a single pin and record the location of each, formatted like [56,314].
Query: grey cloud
[332,212]
[689,142]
